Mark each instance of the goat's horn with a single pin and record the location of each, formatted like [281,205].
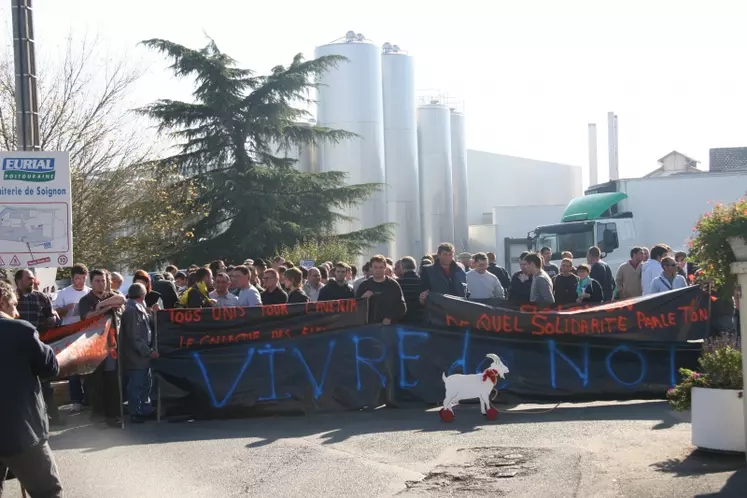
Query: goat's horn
[493,357]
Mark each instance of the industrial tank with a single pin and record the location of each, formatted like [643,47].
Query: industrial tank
[459,181]
[434,164]
[349,98]
[305,155]
[401,151]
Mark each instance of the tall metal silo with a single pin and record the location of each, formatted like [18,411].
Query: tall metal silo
[305,155]
[459,181]
[401,151]
[350,98]
[434,164]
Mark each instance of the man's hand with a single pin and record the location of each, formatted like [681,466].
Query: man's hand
[386,321]
[155,307]
[585,295]
[367,294]
[423,297]
[154,355]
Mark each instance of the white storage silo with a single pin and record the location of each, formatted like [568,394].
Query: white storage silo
[401,151]
[459,181]
[349,98]
[434,164]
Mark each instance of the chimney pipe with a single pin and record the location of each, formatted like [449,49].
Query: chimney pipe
[612,134]
[593,167]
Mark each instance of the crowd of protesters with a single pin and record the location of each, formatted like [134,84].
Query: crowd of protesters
[397,291]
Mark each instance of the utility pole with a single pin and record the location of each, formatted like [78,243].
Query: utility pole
[27,96]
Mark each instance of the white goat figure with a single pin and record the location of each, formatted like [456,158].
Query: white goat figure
[471,386]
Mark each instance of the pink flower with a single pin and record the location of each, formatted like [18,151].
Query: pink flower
[670,391]
[696,375]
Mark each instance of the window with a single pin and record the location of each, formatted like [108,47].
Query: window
[577,242]
[601,228]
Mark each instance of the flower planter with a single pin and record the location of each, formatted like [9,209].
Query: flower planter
[739,247]
[717,419]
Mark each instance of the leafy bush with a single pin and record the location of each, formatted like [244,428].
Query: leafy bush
[720,365]
[710,248]
[331,249]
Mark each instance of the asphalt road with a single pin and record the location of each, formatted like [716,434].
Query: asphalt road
[599,450]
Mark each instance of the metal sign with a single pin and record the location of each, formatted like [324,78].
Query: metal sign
[36,220]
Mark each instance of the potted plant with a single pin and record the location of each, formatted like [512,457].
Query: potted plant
[719,241]
[714,395]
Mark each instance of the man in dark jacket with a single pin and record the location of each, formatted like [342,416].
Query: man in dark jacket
[444,276]
[338,288]
[520,289]
[137,353]
[24,429]
[387,303]
[498,271]
[412,286]
[601,272]
[167,289]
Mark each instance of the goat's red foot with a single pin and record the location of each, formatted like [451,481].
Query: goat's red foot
[492,414]
[446,415]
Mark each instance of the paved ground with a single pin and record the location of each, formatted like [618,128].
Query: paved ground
[599,450]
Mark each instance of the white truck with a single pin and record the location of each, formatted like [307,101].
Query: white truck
[621,214]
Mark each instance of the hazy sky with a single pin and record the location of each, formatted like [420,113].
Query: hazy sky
[532,74]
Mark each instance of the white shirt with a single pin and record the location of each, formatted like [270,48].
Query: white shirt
[651,270]
[249,297]
[68,296]
[224,301]
[483,285]
[662,284]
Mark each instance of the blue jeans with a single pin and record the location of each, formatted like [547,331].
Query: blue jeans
[138,392]
[75,386]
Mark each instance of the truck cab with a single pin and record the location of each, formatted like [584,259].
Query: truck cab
[591,220]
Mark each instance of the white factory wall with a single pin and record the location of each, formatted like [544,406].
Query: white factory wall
[497,180]
[514,222]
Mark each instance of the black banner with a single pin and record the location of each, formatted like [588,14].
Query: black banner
[671,316]
[307,357]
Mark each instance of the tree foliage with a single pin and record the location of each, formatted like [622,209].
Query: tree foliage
[320,251]
[83,110]
[256,201]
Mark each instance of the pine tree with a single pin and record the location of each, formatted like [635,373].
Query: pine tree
[256,202]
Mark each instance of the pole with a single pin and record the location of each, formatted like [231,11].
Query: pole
[740,269]
[593,168]
[119,381]
[158,384]
[612,145]
[24,58]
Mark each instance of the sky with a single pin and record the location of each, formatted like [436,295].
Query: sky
[531,74]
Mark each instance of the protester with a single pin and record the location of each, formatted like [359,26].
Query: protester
[411,285]
[550,268]
[601,272]
[198,295]
[166,288]
[66,306]
[519,291]
[137,353]
[293,281]
[565,283]
[273,294]
[220,294]
[153,300]
[388,303]
[338,288]
[498,271]
[628,277]
[652,268]
[541,289]
[103,383]
[588,289]
[24,430]
[247,293]
[444,276]
[481,283]
[313,285]
[669,279]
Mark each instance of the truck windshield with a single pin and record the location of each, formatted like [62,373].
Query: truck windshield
[576,241]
